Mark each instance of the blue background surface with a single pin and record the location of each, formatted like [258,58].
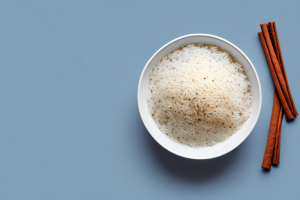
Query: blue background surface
[69,121]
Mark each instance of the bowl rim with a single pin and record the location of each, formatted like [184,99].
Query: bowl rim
[257,80]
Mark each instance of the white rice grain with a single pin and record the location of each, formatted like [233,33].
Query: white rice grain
[199,95]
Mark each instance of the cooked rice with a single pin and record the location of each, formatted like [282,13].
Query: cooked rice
[199,95]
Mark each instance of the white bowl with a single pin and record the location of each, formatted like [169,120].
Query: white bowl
[222,147]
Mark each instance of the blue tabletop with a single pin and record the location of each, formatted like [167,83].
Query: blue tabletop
[69,121]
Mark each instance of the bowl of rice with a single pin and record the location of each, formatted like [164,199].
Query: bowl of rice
[199,96]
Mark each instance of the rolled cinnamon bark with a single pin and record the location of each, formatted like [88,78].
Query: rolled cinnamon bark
[276,154]
[276,45]
[283,101]
[281,96]
[275,40]
[277,74]
[267,161]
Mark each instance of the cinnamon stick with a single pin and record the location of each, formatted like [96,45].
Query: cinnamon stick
[283,101]
[275,39]
[276,153]
[276,45]
[277,74]
[275,79]
[267,161]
